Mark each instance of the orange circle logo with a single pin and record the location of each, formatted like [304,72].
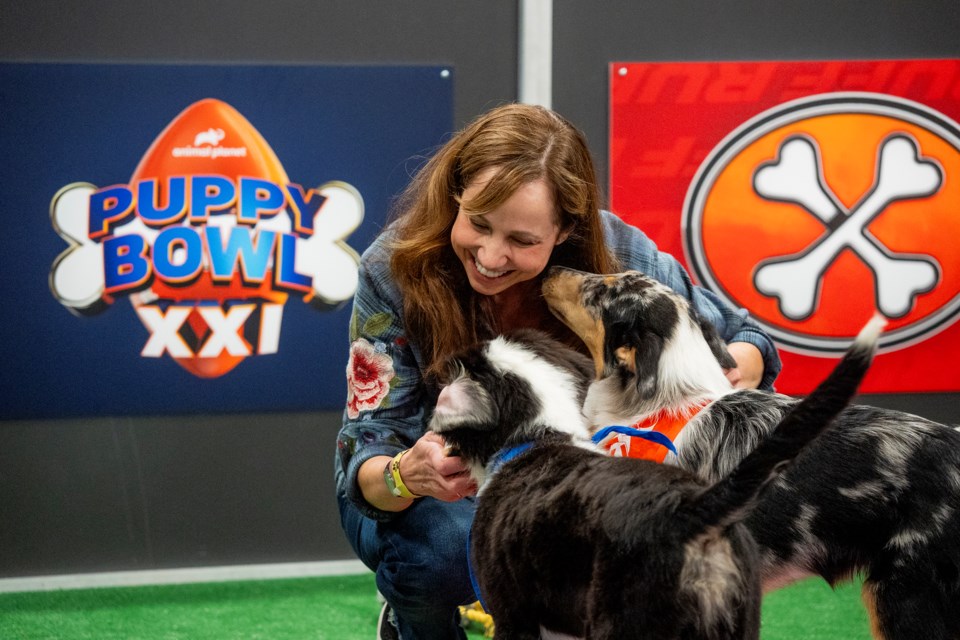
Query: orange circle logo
[818,213]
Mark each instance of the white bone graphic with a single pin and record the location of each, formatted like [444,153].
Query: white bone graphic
[325,256]
[796,178]
[76,277]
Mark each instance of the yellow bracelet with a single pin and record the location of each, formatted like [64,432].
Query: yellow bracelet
[395,482]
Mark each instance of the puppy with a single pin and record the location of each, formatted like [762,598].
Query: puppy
[587,545]
[878,495]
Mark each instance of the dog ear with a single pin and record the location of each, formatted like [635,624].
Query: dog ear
[717,346]
[647,364]
[634,353]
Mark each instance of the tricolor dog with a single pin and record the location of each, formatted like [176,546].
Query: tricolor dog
[588,545]
[878,495]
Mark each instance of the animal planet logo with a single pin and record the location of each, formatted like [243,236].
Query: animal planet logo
[207,239]
[846,192]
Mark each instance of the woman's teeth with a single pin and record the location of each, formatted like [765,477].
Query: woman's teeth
[487,272]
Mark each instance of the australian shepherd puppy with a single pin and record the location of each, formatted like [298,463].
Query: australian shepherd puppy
[587,545]
[878,495]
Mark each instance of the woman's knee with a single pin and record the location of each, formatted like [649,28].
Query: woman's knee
[429,555]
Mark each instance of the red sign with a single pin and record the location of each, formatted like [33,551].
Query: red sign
[813,194]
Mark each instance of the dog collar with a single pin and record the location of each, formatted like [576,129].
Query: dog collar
[505,455]
[499,459]
[648,439]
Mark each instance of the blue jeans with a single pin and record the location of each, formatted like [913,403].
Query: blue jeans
[420,560]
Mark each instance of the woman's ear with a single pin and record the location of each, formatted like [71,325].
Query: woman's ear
[564,234]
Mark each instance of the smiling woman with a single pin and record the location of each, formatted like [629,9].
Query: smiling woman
[510,195]
[511,243]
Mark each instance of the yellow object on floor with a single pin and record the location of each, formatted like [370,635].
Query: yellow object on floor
[476,615]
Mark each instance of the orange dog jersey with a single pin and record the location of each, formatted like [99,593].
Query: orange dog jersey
[649,439]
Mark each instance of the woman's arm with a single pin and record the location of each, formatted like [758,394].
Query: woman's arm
[387,405]
[425,469]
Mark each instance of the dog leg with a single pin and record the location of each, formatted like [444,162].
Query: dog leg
[507,630]
[868,594]
[511,620]
[547,634]
[905,608]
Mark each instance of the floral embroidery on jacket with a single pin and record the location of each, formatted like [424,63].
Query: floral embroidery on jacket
[369,372]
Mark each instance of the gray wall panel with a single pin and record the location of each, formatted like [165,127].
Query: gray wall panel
[115,494]
[477,37]
[148,493]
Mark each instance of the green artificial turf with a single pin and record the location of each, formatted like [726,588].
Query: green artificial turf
[332,608]
[811,610]
[338,608]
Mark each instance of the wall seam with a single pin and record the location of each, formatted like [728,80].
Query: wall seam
[536,52]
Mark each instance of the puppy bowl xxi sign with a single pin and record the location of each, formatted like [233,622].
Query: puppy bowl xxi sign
[813,195]
[187,235]
[207,240]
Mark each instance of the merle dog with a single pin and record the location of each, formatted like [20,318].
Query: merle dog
[584,544]
[878,495]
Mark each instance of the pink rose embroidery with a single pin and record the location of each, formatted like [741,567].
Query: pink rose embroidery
[368,377]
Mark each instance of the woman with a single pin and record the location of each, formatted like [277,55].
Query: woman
[511,194]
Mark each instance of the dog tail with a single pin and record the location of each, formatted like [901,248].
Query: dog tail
[729,499]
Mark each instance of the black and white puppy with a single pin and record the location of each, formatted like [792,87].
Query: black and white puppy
[587,545]
[878,495]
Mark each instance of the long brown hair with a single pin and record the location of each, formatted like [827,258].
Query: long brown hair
[442,313]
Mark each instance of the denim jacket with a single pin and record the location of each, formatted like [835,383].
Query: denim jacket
[387,403]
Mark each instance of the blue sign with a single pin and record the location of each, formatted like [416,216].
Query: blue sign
[185,238]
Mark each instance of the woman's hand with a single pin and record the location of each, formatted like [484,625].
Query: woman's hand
[425,469]
[749,370]
[428,470]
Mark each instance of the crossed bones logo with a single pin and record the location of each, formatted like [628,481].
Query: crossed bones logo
[858,165]
[797,177]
